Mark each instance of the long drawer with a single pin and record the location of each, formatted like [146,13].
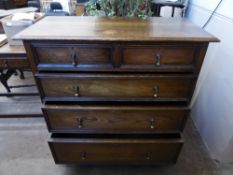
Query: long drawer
[98,87]
[115,149]
[114,119]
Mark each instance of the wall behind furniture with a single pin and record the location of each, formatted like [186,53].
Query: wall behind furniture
[212,104]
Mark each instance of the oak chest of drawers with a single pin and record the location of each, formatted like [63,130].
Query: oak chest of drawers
[115,91]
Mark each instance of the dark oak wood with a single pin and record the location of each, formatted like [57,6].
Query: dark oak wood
[64,55]
[115,90]
[156,57]
[88,28]
[116,150]
[119,86]
[114,119]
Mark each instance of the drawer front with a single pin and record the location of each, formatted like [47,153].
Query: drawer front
[14,62]
[118,119]
[73,57]
[123,87]
[159,58]
[115,151]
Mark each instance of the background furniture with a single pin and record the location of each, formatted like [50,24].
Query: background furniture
[34,3]
[1,28]
[80,9]
[56,10]
[7,4]
[20,3]
[114,93]
[14,58]
[158,4]
[11,59]
[4,13]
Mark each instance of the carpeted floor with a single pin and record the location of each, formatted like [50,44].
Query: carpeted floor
[24,151]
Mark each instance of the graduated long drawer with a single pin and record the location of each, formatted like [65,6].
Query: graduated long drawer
[114,119]
[115,149]
[112,87]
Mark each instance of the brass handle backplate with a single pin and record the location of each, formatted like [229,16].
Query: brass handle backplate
[152,123]
[76,89]
[148,156]
[80,122]
[156,91]
[74,56]
[157,59]
[83,155]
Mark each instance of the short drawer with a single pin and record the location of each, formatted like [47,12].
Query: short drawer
[14,62]
[99,87]
[165,58]
[114,119]
[73,57]
[116,149]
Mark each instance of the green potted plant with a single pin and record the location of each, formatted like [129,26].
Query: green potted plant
[129,8]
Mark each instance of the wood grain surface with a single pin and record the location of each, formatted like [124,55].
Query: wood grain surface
[115,29]
[114,119]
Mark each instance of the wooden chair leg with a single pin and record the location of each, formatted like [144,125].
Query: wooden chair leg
[5,84]
[4,77]
[21,74]
[173,11]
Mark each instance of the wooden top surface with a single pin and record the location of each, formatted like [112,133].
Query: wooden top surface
[115,29]
[7,49]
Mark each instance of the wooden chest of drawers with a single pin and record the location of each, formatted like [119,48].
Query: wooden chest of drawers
[115,91]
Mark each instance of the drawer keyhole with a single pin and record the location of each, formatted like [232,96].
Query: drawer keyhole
[152,123]
[157,59]
[76,88]
[156,91]
[80,122]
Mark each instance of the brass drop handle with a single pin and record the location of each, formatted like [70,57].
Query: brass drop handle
[80,122]
[76,88]
[148,156]
[157,59]
[83,155]
[156,91]
[74,56]
[152,123]
[6,63]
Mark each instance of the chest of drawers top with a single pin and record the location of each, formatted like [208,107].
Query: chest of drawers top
[115,29]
